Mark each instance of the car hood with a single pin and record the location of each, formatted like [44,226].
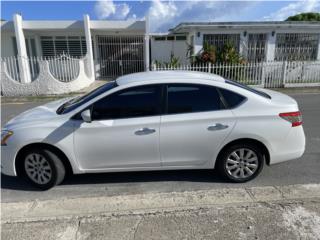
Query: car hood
[46,112]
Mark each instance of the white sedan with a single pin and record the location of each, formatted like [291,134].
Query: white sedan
[155,121]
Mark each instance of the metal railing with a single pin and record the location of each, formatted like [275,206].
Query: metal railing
[266,74]
[63,68]
[13,65]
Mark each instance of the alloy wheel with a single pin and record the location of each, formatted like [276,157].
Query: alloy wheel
[38,168]
[242,163]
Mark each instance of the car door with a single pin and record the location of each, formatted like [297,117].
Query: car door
[195,125]
[124,132]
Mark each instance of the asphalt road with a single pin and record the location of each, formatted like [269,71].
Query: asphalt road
[301,171]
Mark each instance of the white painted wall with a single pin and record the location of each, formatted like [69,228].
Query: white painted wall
[7,44]
[161,50]
[45,83]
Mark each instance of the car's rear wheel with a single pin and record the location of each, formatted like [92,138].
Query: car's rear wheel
[43,168]
[241,162]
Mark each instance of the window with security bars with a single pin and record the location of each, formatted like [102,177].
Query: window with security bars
[219,40]
[256,47]
[74,46]
[296,46]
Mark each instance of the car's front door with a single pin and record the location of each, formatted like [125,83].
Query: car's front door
[124,132]
[195,125]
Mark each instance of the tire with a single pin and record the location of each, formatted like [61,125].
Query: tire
[231,168]
[43,168]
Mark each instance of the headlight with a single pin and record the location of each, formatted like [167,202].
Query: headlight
[5,135]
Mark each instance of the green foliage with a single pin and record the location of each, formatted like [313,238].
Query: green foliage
[174,62]
[209,54]
[229,54]
[309,16]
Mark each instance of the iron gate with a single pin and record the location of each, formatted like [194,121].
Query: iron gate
[119,55]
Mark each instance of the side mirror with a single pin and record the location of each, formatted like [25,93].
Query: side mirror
[86,116]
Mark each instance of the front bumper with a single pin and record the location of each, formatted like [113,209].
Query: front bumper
[7,161]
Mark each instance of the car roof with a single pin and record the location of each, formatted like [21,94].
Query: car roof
[189,76]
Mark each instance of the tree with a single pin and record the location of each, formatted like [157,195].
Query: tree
[309,16]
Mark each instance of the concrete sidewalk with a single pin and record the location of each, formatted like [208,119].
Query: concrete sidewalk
[275,212]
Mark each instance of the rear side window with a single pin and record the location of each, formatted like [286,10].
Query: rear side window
[191,98]
[232,99]
[129,103]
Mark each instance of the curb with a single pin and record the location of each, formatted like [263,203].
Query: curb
[151,202]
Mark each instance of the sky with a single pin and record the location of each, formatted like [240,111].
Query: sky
[163,15]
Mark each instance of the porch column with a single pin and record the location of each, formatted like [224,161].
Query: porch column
[23,62]
[90,62]
[244,39]
[318,57]
[271,46]
[147,45]
[198,42]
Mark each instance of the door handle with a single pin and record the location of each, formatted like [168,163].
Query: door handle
[144,131]
[217,126]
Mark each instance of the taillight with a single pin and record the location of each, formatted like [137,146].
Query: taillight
[294,117]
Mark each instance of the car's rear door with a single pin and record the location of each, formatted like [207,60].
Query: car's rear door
[194,126]
[124,132]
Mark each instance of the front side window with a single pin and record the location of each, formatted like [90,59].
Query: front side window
[191,98]
[129,103]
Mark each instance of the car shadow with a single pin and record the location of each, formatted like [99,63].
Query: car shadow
[200,176]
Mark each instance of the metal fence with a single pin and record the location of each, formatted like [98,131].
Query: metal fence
[119,55]
[296,46]
[13,65]
[64,68]
[264,74]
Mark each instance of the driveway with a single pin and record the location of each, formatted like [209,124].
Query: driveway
[301,171]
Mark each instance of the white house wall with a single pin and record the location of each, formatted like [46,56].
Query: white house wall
[162,50]
[7,44]
[44,84]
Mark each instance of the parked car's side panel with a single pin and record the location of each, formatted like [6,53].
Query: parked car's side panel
[124,131]
[54,132]
[193,139]
[119,143]
[194,125]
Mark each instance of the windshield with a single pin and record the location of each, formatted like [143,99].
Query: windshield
[260,93]
[77,101]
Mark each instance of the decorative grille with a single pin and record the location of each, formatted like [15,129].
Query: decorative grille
[296,46]
[74,46]
[120,55]
[219,40]
[256,47]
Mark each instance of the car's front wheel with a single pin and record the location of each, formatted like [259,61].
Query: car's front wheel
[43,168]
[241,162]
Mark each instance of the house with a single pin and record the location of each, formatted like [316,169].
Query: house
[52,57]
[118,47]
[255,41]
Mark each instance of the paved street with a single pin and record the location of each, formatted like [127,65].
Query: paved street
[301,171]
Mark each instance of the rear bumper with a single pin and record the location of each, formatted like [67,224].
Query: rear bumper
[7,161]
[291,148]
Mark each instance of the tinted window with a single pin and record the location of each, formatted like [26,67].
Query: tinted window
[78,101]
[232,99]
[189,98]
[134,102]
